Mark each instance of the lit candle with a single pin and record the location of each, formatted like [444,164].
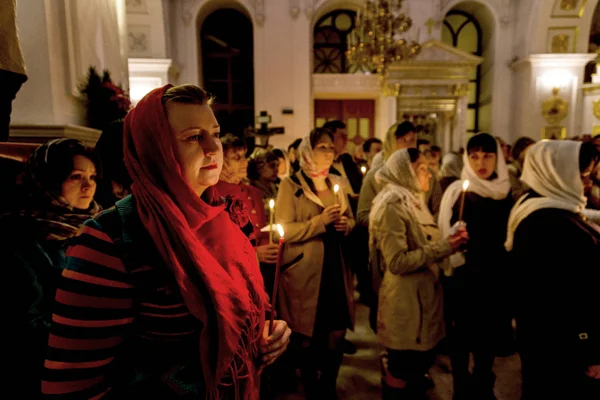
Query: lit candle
[363,169]
[462,202]
[276,282]
[271,220]
[336,189]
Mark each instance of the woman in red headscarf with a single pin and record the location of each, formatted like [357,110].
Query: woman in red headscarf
[162,296]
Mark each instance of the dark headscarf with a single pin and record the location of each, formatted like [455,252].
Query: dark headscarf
[47,168]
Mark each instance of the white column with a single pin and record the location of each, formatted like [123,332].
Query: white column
[536,76]
[146,74]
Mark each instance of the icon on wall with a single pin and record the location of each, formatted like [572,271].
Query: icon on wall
[568,8]
[562,39]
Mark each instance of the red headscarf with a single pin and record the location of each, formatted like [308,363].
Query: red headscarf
[213,262]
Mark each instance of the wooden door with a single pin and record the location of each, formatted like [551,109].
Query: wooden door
[358,115]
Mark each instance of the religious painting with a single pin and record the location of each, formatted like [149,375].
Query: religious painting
[568,8]
[136,6]
[562,39]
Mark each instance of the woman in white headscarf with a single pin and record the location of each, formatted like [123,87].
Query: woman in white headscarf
[406,246]
[452,165]
[556,261]
[476,292]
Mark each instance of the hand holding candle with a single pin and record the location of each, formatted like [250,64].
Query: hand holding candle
[363,169]
[271,219]
[276,282]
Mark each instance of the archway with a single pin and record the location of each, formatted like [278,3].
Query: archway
[594,45]
[330,42]
[470,26]
[228,67]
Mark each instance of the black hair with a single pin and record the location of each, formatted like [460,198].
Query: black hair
[279,153]
[587,154]
[436,149]
[404,129]
[520,145]
[109,150]
[482,142]
[334,125]
[422,141]
[295,144]
[317,134]
[233,142]
[367,144]
[414,154]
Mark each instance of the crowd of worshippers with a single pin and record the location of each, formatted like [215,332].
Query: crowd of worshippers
[167,292]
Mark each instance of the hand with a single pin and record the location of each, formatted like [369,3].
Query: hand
[341,224]
[458,239]
[273,346]
[267,253]
[593,371]
[330,214]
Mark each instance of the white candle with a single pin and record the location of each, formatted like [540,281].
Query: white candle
[271,220]
[462,202]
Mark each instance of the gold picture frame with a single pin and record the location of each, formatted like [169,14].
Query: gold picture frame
[562,39]
[568,8]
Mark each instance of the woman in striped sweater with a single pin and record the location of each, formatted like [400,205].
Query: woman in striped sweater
[162,297]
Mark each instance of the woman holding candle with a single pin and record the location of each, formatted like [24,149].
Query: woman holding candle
[407,247]
[477,293]
[315,296]
[162,297]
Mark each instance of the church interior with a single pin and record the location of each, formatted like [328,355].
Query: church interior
[355,76]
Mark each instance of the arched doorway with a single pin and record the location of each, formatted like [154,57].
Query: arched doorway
[228,67]
[469,27]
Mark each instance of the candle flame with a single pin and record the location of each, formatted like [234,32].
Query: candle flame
[280,230]
[336,188]
[363,169]
[271,204]
[465,186]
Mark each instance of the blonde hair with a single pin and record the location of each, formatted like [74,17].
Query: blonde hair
[187,94]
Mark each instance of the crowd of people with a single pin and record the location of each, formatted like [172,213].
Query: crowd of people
[167,293]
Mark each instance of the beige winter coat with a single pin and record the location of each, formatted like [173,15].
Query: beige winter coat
[406,247]
[11,58]
[298,210]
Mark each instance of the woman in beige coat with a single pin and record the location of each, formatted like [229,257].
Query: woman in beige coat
[316,289]
[406,246]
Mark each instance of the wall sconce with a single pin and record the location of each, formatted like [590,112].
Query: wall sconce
[555,109]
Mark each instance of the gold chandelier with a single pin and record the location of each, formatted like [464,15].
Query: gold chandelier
[376,42]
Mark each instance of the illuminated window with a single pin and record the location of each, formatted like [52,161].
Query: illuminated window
[462,31]
[330,42]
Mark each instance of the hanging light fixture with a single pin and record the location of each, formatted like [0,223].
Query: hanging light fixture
[377,40]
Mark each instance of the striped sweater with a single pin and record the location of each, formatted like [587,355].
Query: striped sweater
[120,328]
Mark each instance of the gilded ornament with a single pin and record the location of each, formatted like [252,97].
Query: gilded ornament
[560,43]
[597,108]
[555,109]
[568,5]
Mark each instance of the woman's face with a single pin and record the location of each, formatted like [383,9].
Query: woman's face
[423,173]
[586,177]
[324,153]
[80,186]
[282,167]
[484,164]
[235,165]
[198,148]
[268,170]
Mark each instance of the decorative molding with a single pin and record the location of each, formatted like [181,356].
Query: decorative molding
[259,11]
[310,7]
[568,8]
[345,84]
[139,40]
[136,6]
[590,89]
[186,11]
[562,39]
[43,133]
[295,8]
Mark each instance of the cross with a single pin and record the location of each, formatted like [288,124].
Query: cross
[430,23]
